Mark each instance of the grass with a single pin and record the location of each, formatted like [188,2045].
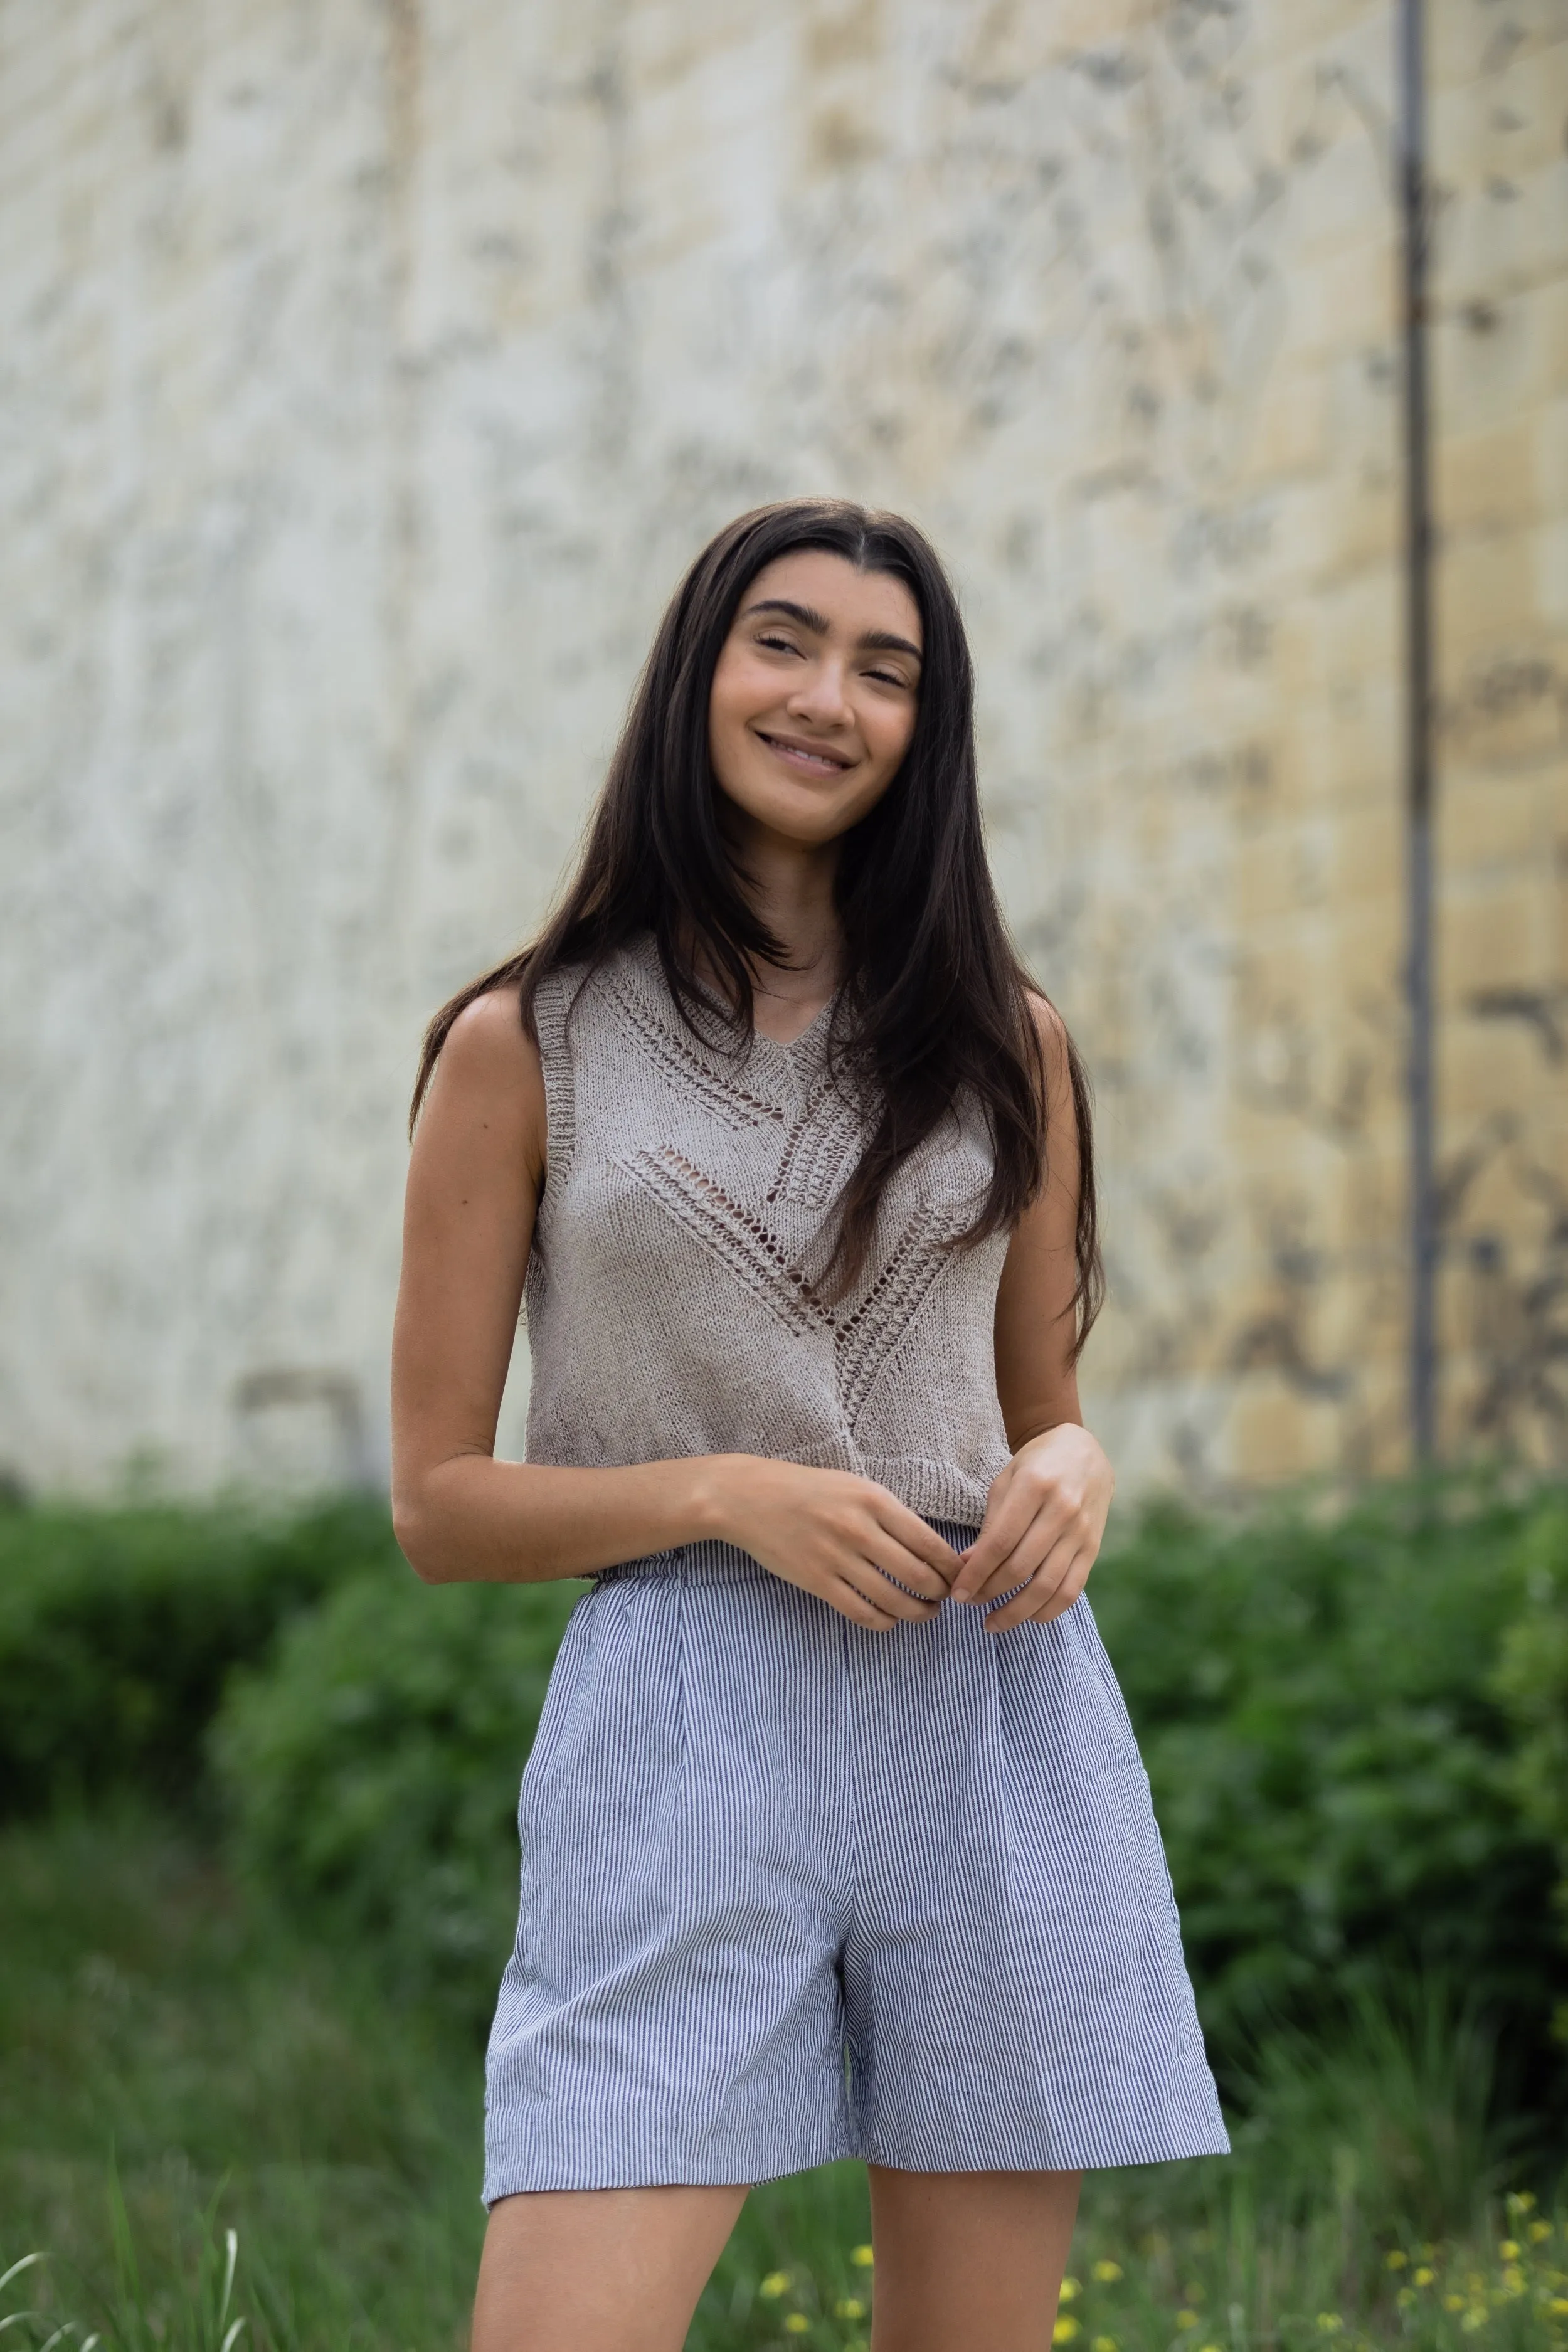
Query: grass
[206,2119]
[156,2032]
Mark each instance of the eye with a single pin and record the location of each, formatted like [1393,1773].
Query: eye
[887,677]
[778,644]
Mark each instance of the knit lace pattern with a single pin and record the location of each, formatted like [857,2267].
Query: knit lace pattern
[689,1208]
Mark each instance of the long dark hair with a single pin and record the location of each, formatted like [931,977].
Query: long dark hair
[935,1003]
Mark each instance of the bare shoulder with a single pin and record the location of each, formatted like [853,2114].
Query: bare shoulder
[1052,1032]
[488,1035]
[488,1078]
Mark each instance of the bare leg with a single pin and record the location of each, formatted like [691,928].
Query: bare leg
[598,2270]
[969,2261]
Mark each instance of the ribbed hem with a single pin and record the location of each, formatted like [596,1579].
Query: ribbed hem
[725,1563]
[933,1490]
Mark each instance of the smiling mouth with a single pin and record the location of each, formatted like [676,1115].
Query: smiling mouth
[802,756]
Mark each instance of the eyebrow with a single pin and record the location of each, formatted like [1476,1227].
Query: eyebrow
[876,641]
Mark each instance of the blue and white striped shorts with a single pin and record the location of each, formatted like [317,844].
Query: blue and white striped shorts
[795,1891]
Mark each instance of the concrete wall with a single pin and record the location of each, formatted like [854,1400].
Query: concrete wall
[371,371]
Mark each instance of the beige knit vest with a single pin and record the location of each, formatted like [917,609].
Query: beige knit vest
[688,1206]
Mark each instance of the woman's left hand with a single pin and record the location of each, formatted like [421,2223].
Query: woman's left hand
[1044,1519]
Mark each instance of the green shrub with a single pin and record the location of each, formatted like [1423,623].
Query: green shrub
[1338,1771]
[1337,1775]
[372,1769]
[117,1628]
[1532,1681]
[1354,1725]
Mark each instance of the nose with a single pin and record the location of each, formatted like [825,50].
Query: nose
[819,696]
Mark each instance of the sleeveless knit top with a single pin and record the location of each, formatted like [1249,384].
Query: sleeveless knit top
[688,1204]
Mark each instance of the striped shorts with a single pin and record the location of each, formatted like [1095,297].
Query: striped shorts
[793,1891]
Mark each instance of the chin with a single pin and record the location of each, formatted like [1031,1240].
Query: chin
[808,828]
[797,818]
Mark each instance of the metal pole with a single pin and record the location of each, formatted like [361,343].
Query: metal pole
[1424,1234]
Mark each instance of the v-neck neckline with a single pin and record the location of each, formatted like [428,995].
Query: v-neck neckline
[819,1019]
[814,1030]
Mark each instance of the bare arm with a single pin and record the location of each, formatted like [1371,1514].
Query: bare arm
[1046,1514]
[474,1182]
[475,1179]
[1036,1383]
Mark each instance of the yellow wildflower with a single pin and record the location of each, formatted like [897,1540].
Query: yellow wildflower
[1538,2232]
[1396,2260]
[1106,2272]
[1513,2280]
[848,2309]
[1559,2304]
[1064,2330]
[1453,2302]
[1330,2322]
[776,2283]
[1474,2317]
[1405,2298]
[1105,2344]
[1186,2318]
[1508,2250]
[862,2257]
[1520,2200]
[796,2324]
[1070,2288]
[1424,2276]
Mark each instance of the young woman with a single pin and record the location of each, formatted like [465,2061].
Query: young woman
[836,1840]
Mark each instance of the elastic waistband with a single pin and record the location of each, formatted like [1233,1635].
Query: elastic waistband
[698,1563]
[725,1563]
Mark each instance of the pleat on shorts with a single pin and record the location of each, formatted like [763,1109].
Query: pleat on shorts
[793,1891]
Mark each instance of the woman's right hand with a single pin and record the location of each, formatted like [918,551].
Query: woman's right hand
[844,1537]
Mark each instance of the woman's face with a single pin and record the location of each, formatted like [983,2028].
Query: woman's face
[815,695]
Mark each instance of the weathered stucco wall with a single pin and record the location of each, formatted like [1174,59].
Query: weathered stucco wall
[370,372]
